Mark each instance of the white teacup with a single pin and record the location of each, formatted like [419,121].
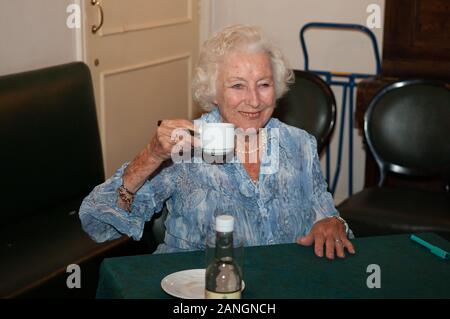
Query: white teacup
[217,138]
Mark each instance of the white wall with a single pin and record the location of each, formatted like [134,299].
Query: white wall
[328,50]
[34,34]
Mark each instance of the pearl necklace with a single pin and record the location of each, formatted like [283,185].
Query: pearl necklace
[263,139]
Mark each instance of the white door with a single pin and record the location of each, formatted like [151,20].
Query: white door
[141,61]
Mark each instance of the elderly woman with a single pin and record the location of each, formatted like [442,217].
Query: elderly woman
[239,77]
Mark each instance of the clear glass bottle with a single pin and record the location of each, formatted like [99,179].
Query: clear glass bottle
[223,279]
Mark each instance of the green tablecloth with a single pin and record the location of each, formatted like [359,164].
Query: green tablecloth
[408,270]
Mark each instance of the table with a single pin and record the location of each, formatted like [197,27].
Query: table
[407,270]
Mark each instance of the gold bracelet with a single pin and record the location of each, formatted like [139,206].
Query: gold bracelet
[126,196]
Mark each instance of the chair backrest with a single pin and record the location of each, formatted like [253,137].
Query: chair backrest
[50,145]
[407,128]
[310,105]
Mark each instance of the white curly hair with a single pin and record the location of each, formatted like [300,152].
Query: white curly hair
[230,39]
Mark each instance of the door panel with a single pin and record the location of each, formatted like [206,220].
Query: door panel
[126,104]
[144,14]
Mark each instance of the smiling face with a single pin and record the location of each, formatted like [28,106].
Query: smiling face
[245,89]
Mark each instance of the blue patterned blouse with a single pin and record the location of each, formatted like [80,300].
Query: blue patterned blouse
[289,197]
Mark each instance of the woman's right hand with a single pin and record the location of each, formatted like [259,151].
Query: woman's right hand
[167,135]
[157,151]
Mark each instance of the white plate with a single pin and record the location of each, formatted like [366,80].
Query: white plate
[186,284]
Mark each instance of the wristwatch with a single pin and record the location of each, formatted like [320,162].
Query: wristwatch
[342,220]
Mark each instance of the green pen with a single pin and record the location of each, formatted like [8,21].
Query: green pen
[433,249]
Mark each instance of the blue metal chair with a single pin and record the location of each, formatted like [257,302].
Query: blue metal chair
[348,82]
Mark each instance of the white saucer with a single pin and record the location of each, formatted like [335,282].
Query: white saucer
[186,284]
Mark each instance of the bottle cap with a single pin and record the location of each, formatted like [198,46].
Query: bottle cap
[224,223]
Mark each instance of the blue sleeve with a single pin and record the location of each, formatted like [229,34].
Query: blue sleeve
[104,220]
[322,201]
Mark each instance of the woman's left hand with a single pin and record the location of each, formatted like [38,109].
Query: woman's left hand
[331,233]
